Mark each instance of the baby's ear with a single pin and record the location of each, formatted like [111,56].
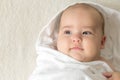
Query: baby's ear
[103,40]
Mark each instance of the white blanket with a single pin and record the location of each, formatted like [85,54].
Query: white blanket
[53,65]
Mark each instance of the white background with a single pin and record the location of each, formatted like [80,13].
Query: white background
[20,23]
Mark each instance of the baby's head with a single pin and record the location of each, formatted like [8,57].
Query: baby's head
[81,32]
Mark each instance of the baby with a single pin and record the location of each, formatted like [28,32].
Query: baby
[80,36]
[81,33]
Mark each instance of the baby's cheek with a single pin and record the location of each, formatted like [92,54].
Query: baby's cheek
[90,45]
[60,43]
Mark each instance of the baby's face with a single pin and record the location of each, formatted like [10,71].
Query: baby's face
[80,34]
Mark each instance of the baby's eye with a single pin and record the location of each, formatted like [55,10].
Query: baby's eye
[87,33]
[67,32]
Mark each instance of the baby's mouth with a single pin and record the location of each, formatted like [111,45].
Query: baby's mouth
[76,48]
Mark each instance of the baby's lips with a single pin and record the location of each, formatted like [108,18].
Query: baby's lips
[76,48]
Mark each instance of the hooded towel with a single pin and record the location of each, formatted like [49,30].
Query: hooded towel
[54,65]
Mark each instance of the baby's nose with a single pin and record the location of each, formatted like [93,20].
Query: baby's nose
[76,38]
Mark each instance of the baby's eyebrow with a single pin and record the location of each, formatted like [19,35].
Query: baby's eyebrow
[88,27]
[66,27]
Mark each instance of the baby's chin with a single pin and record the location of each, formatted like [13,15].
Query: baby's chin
[78,57]
[82,58]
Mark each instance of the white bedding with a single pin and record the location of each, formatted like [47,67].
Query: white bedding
[53,65]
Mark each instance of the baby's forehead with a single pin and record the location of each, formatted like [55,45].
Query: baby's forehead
[89,9]
[84,10]
[86,7]
[83,6]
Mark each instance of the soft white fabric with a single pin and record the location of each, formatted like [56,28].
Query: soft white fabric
[53,65]
[112,31]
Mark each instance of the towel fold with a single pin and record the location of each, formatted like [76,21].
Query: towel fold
[53,65]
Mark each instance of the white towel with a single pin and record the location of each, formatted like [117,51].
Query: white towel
[112,32]
[53,65]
